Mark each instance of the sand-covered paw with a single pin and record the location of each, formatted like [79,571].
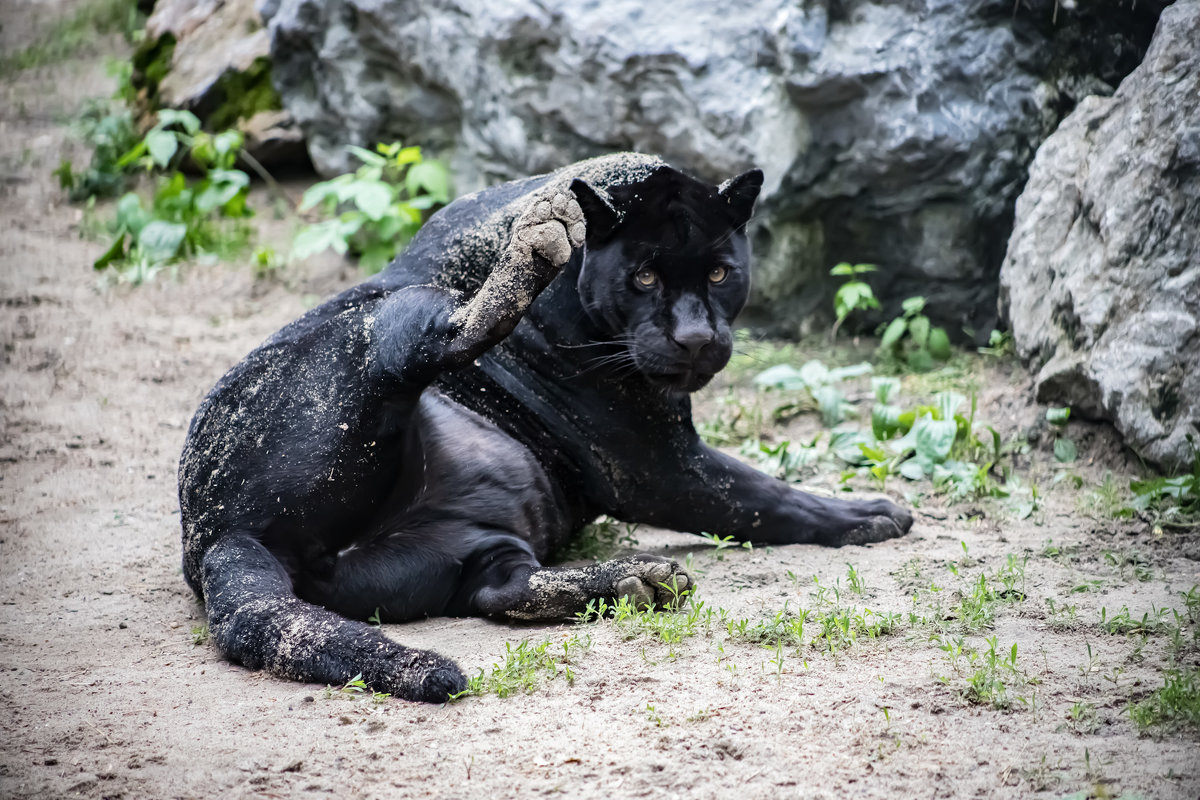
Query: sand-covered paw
[879,521]
[652,582]
[551,227]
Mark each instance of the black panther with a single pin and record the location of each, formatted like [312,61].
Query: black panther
[420,443]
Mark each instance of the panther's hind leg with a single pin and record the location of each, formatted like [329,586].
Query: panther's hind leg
[557,593]
[413,569]
[256,620]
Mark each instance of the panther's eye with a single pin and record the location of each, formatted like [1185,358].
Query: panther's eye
[646,278]
[718,274]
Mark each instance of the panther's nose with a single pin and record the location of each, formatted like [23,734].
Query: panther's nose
[693,339]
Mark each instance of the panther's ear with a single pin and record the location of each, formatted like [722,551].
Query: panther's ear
[598,211]
[740,193]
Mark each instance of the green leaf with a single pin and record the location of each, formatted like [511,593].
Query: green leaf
[885,420]
[934,439]
[366,156]
[160,240]
[318,237]
[186,119]
[130,214]
[815,374]
[893,334]
[1058,416]
[918,329]
[845,444]
[406,155]
[115,252]
[316,194]
[850,371]
[133,154]
[939,344]
[843,268]
[220,188]
[919,360]
[162,146]
[912,470]
[430,177]
[780,376]
[883,387]
[1064,450]
[66,178]
[913,305]
[373,198]
[947,404]
[831,404]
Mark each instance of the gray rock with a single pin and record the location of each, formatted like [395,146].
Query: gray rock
[1102,277]
[219,62]
[897,133]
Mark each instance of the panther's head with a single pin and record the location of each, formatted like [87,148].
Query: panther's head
[666,270]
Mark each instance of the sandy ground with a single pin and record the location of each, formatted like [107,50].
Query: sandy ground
[103,692]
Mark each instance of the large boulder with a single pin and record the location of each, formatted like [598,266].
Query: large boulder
[892,133]
[1101,282]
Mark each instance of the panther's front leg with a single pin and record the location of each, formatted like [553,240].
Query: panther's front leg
[543,238]
[716,493]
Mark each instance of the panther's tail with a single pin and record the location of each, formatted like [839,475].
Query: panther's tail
[255,619]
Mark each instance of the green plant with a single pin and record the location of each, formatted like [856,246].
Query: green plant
[1000,345]
[1064,448]
[1081,718]
[1173,706]
[853,295]
[183,219]
[1123,623]
[375,210]
[110,134]
[1174,500]
[199,635]
[989,676]
[526,665]
[912,340]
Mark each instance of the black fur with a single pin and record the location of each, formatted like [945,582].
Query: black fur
[418,444]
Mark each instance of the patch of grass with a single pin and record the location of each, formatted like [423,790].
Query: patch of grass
[526,666]
[1082,718]
[1107,500]
[985,677]
[200,635]
[1062,617]
[1129,564]
[1125,624]
[1173,706]
[683,618]
[75,36]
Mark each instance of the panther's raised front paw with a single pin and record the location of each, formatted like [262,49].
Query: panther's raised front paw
[651,581]
[551,228]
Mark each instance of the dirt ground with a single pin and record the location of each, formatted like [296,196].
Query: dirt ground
[105,694]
